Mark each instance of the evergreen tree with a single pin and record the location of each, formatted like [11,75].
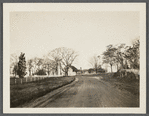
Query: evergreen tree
[22,66]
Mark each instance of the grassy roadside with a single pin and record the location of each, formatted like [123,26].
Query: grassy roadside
[23,93]
[130,85]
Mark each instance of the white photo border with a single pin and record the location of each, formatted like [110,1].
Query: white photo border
[78,7]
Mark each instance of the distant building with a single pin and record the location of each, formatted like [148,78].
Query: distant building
[93,70]
[85,71]
[71,71]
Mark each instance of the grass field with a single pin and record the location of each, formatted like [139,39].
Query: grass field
[20,94]
[131,85]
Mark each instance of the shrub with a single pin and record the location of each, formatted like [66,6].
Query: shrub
[41,72]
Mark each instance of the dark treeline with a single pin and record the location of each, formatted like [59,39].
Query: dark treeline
[121,56]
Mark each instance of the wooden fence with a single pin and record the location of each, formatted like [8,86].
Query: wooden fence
[25,80]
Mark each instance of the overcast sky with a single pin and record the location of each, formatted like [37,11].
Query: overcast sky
[88,33]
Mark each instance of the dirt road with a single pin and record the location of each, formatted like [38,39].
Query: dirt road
[87,91]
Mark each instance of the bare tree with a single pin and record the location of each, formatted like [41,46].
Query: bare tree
[30,66]
[37,63]
[15,70]
[40,63]
[55,56]
[35,66]
[64,57]
[14,63]
[95,62]
[48,64]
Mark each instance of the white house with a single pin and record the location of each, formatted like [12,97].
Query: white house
[71,72]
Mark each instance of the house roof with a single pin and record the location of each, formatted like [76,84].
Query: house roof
[73,68]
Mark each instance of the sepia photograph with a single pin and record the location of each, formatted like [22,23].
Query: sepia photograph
[62,56]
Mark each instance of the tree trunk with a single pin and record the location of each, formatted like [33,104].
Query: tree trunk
[122,64]
[29,72]
[96,70]
[48,72]
[66,73]
[15,74]
[56,69]
[111,67]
